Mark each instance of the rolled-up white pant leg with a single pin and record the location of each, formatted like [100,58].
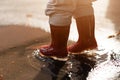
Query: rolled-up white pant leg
[60,12]
[84,8]
[63,19]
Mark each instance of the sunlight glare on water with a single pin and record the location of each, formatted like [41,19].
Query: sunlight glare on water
[105,71]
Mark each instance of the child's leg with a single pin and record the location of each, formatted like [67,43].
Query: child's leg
[86,25]
[60,13]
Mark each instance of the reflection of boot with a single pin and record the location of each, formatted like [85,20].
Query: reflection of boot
[58,46]
[85,26]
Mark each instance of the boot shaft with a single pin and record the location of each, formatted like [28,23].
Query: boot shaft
[59,36]
[86,27]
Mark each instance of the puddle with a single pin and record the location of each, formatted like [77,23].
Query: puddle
[89,65]
[100,64]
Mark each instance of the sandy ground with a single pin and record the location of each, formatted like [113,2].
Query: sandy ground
[14,64]
[11,35]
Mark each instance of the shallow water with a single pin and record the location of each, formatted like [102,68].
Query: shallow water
[88,65]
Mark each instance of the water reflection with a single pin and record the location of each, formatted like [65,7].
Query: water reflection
[88,65]
[76,67]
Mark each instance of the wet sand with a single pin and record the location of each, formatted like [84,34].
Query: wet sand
[14,64]
[16,35]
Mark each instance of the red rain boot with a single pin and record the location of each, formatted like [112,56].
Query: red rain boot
[86,40]
[58,46]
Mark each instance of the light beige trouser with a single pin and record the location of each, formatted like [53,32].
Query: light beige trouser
[60,12]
